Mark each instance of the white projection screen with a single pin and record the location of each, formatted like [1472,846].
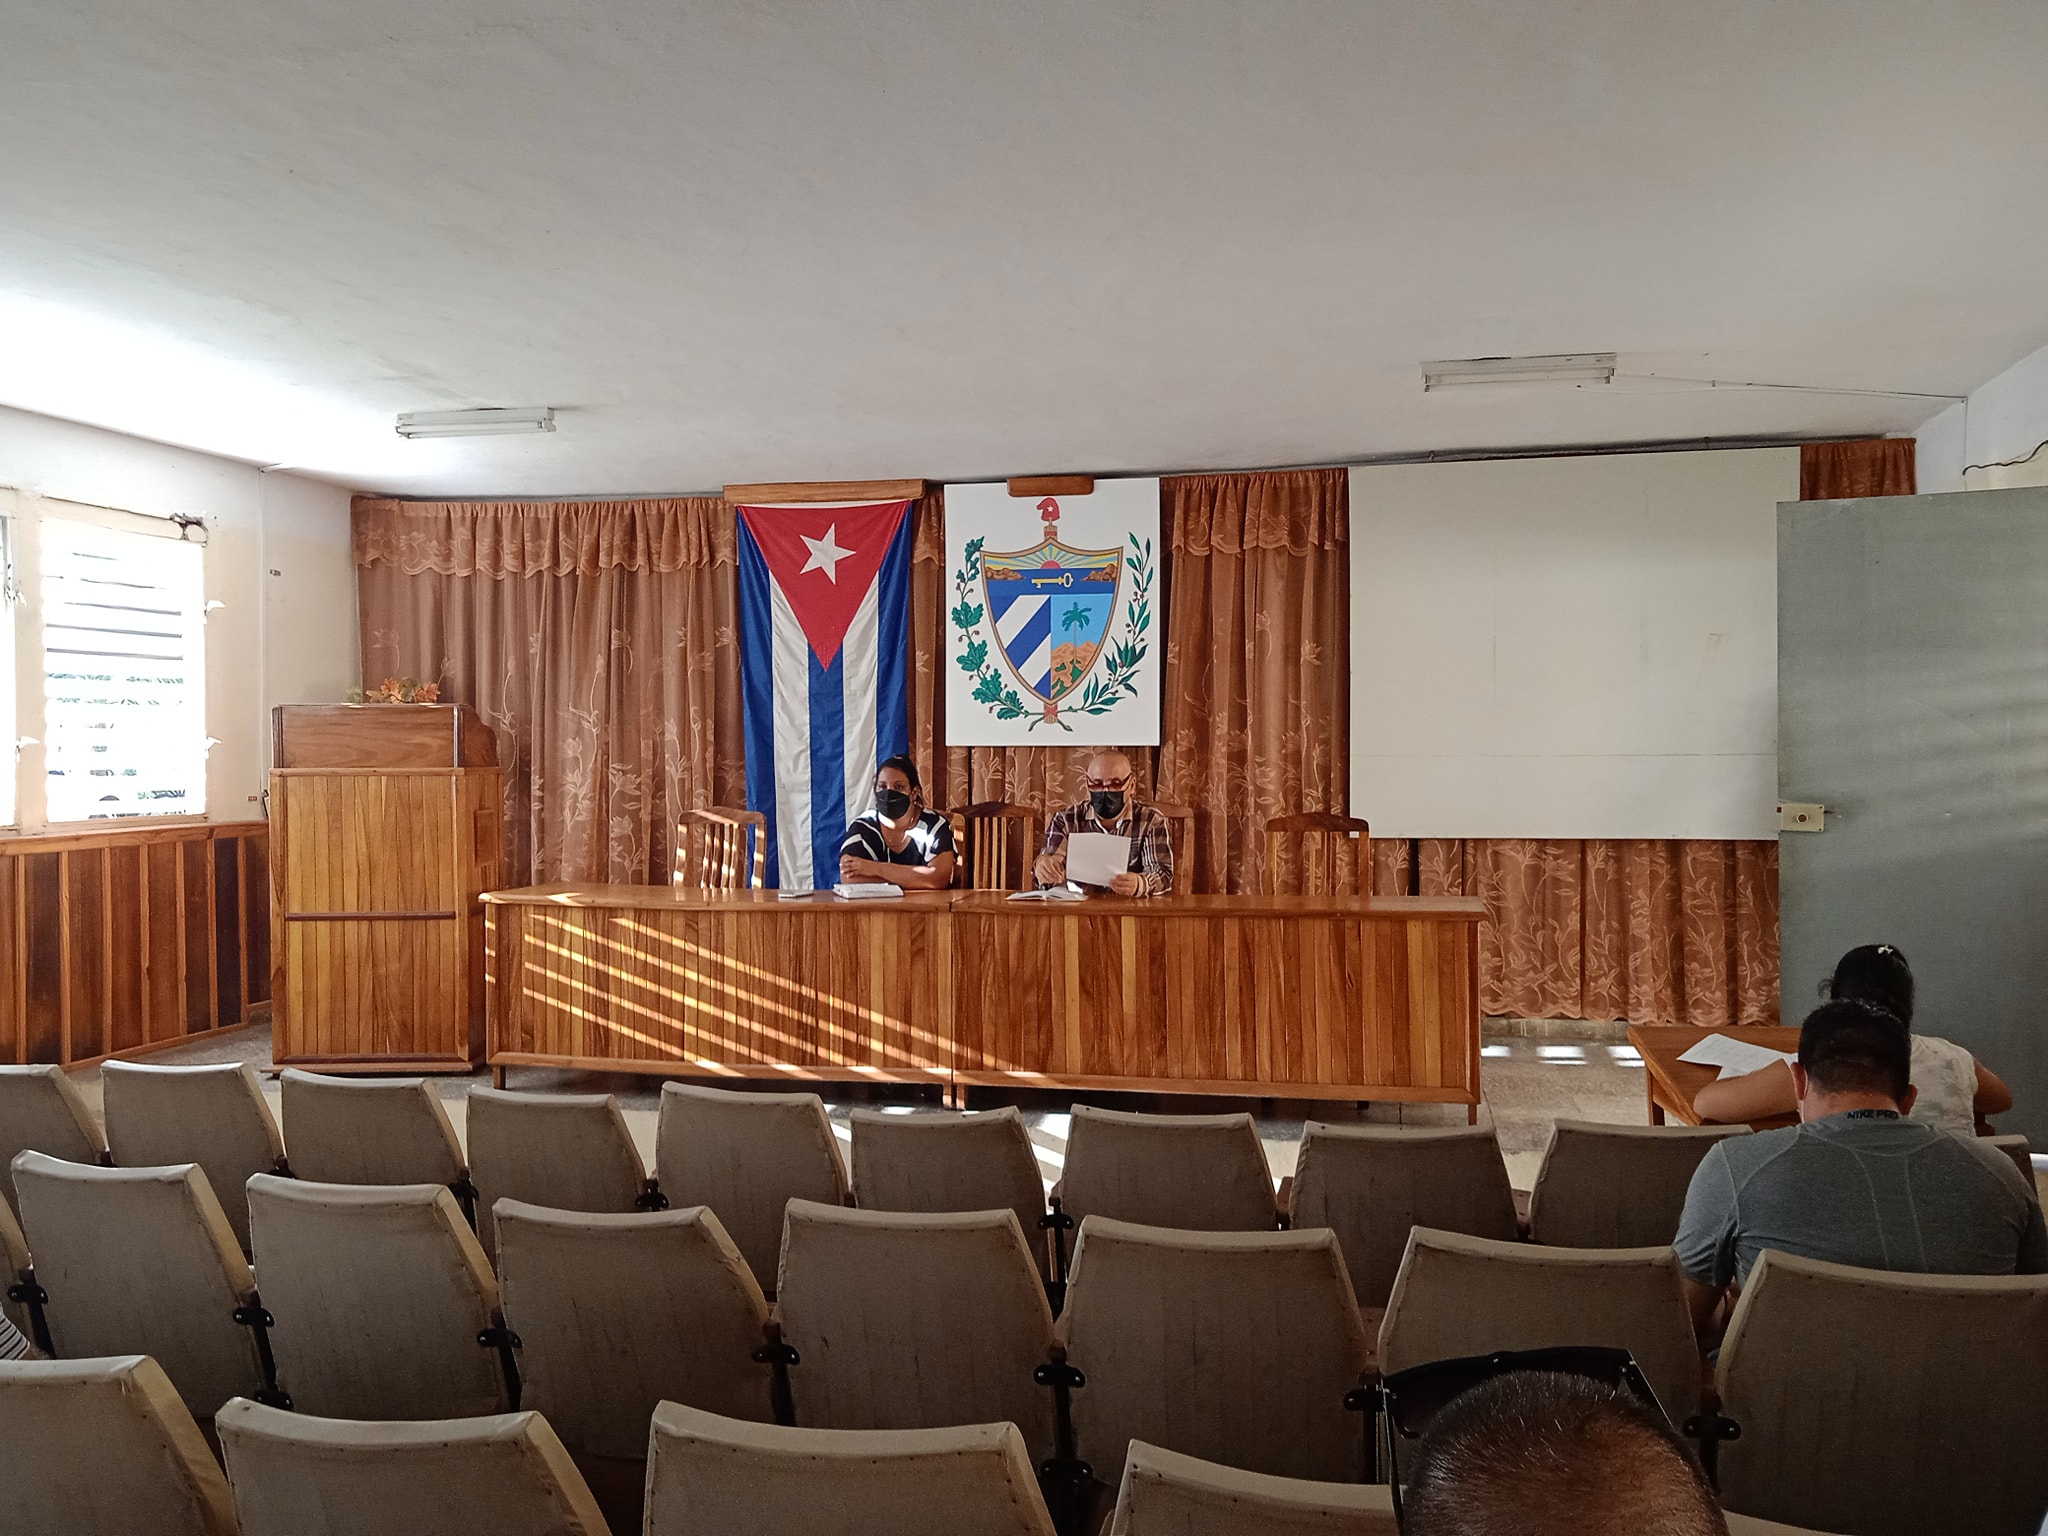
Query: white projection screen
[1568,648]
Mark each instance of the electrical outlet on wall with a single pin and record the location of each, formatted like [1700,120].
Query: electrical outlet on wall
[1797,816]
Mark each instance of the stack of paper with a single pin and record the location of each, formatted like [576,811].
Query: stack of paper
[868,891]
[1734,1057]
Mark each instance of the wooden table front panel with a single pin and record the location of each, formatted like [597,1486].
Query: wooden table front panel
[739,983]
[1316,999]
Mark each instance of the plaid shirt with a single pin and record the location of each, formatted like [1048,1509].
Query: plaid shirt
[1151,844]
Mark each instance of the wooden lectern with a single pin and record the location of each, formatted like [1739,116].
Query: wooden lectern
[386,826]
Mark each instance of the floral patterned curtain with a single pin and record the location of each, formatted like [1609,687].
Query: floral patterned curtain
[597,639]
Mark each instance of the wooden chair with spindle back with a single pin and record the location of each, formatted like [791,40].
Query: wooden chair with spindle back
[1323,843]
[1180,831]
[725,849]
[996,843]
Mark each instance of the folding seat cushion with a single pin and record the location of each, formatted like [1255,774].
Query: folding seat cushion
[368,1130]
[747,1155]
[616,1313]
[385,1306]
[41,1110]
[950,1162]
[1237,1347]
[1886,1403]
[914,1320]
[1167,1494]
[142,1261]
[1204,1173]
[104,1448]
[1457,1295]
[567,1152]
[706,1473]
[1617,1186]
[215,1116]
[504,1474]
[1370,1183]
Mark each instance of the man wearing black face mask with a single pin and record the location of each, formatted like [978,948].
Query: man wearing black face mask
[899,842]
[1111,808]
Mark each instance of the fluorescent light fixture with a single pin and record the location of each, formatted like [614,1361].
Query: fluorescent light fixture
[491,421]
[1556,368]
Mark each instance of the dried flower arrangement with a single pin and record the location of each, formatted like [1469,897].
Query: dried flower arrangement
[397,690]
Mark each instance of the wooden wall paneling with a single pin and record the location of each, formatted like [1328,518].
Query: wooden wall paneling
[85,953]
[43,911]
[195,912]
[124,929]
[13,971]
[227,930]
[256,917]
[163,966]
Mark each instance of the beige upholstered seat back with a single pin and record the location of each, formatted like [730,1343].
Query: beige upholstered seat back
[215,1116]
[914,1320]
[1237,1347]
[14,1261]
[41,1110]
[950,1162]
[1167,1494]
[383,1130]
[2016,1147]
[1617,1186]
[1458,1295]
[1204,1173]
[747,1155]
[501,1475]
[379,1292]
[617,1312]
[1370,1183]
[141,1261]
[709,1474]
[1887,1403]
[104,1448]
[568,1152]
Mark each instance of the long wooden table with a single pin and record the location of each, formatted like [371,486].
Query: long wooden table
[1266,996]
[1673,1083]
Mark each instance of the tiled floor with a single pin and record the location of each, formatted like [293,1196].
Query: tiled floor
[1526,1084]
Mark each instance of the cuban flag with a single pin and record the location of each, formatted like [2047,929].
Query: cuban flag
[824,642]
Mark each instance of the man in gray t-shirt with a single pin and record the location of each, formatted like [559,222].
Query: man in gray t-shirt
[1854,1183]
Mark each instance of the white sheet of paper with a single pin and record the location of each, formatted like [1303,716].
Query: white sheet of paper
[1096,858]
[1734,1057]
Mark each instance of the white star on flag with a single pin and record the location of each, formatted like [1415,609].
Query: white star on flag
[826,554]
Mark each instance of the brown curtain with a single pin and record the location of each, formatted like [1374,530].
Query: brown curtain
[599,641]
[1648,931]
[1876,466]
[1256,583]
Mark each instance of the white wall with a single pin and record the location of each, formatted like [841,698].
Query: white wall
[277,561]
[1569,647]
[2005,418]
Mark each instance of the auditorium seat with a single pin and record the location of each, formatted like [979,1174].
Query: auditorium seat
[715,1475]
[357,1130]
[747,1155]
[1457,1295]
[1617,1186]
[615,1313]
[946,1161]
[1167,1494]
[1237,1347]
[142,1261]
[1370,1183]
[385,1306]
[565,1151]
[919,1320]
[1886,1404]
[215,1116]
[41,1110]
[104,1447]
[501,1475]
[2017,1148]
[1204,1173]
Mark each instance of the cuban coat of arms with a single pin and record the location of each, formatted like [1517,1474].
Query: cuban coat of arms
[1052,619]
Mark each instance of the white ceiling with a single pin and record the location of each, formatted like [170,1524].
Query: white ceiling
[759,239]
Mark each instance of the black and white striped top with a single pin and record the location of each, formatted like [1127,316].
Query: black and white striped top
[12,1345]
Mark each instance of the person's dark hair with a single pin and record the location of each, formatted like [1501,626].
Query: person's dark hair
[1856,1046]
[903,764]
[1540,1453]
[1873,973]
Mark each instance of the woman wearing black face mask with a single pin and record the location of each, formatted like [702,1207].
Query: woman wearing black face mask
[899,842]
